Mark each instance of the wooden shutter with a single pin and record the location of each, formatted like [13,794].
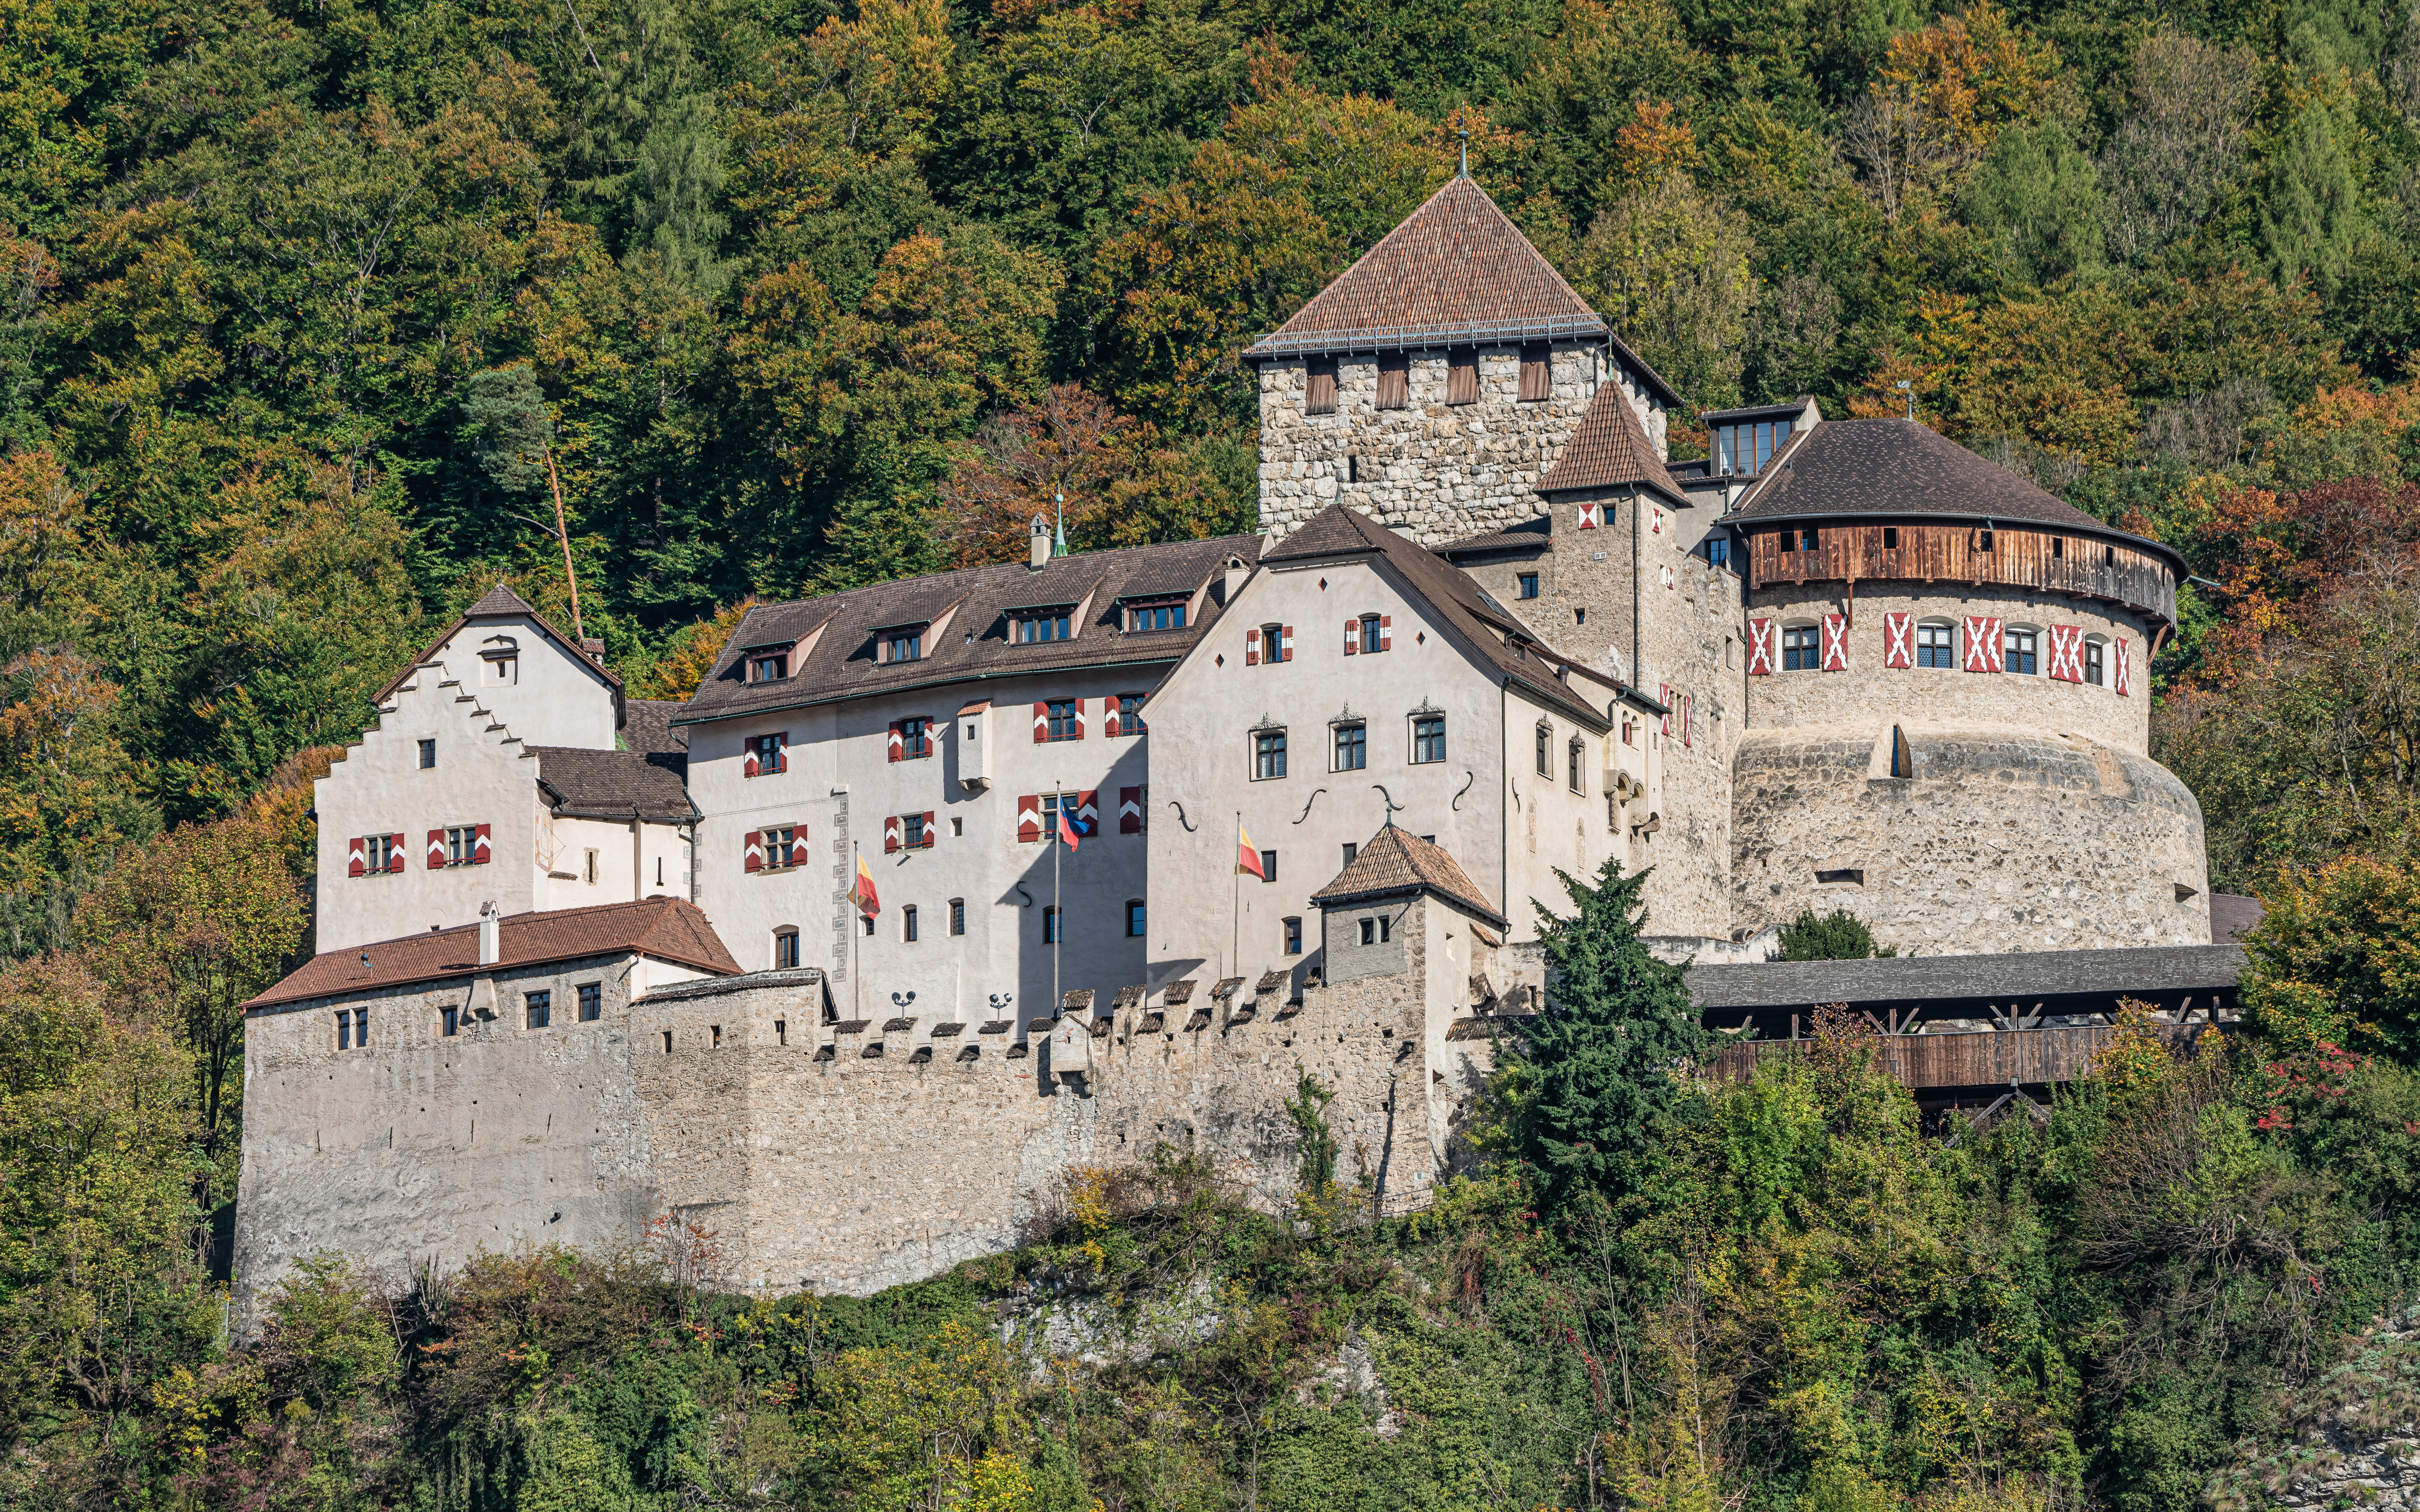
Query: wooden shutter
[1835,642]
[480,854]
[798,845]
[1462,377]
[1041,721]
[395,852]
[356,862]
[1763,635]
[890,832]
[781,750]
[2067,652]
[1029,817]
[1395,380]
[1536,373]
[1386,632]
[1088,812]
[1664,696]
[928,829]
[2121,667]
[1251,648]
[1352,637]
[1080,718]
[1985,652]
[753,858]
[1113,723]
[1129,810]
[1285,644]
[437,850]
[1319,387]
[748,766]
[898,742]
[1591,515]
[1898,639]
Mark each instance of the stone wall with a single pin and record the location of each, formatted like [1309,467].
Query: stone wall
[1437,471]
[2007,838]
[2351,1438]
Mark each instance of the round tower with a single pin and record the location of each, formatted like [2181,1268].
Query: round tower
[1948,707]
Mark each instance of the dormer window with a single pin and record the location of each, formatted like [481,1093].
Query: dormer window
[905,644]
[1746,447]
[501,658]
[769,664]
[1169,615]
[1034,626]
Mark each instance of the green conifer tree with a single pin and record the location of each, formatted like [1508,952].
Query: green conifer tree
[1599,1068]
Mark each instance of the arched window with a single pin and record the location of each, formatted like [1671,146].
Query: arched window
[785,950]
[2023,645]
[1802,649]
[1936,644]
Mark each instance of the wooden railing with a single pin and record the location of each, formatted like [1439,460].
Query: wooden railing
[2085,566]
[1984,1059]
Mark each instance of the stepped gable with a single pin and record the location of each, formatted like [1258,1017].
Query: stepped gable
[833,637]
[1491,629]
[1899,467]
[498,603]
[1610,450]
[613,784]
[666,928]
[1396,862]
[1456,272]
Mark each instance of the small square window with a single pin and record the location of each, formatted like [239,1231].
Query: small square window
[1294,936]
[769,667]
[1428,738]
[1036,628]
[1890,537]
[539,1008]
[2096,662]
[1718,550]
[906,645]
[428,754]
[1134,919]
[1268,866]
[1369,931]
[1352,748]
[449,1022]
[1810,539]
[1800,650]
[911,830]
[1352,852]
[592,1002]
[869,922]
[1529,585]
[915,738]
[1061,718]
[1130,709]
[1268,755]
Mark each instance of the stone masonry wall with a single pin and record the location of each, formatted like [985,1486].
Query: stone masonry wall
[1438,472]
[2007,838]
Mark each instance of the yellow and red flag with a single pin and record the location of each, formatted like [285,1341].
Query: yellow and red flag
[1247,858]
[862,894]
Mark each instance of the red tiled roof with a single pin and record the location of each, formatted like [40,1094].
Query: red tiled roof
[1397,861]
[666,928]
[1610,450]
[1455,271]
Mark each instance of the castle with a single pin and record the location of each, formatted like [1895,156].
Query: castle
[1153,833]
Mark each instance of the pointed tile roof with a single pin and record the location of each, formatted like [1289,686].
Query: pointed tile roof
[1610,450]
[499,599]
[1396,861]
[1455,272]
[665,929]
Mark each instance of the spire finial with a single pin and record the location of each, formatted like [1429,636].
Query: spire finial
[1462,129]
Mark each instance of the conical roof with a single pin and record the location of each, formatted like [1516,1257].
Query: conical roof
[1456,272]
[1610,450]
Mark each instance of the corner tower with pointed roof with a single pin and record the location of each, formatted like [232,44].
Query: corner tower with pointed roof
[1436,380]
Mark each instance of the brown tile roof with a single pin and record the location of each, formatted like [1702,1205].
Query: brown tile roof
[666,928]
[1899,467]
[499,602]
[647,726]
[976,645]
[1610,450]
[611,784]
[1530,536]
[1455,267]
[1340,530]
[1396,861]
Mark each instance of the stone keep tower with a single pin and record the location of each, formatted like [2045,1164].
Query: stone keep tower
[1948,707]
[1433,383]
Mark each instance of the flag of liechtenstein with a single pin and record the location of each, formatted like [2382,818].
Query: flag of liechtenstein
[1071,825]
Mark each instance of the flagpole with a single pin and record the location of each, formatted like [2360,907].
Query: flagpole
[1057,915]
[1235,915]
[856,943]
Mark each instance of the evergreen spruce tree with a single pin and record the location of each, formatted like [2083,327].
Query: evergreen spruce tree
[1603,1062]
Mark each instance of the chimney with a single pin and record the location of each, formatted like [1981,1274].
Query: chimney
[1236,572]
[490,935]
[1038,548]
[594,648]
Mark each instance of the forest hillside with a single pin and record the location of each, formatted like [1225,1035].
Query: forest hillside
[319,318]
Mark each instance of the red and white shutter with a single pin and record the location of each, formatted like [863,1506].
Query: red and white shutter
[1688,718]
[1041,721]
[1088,812]
[1114,724]
[927,843]
[890,832]
[1129,810]
[1591,515]
[2067,652]
[356,861]
[1352,638]
[1251,648]
[1029,817]
[1984,651]
[1079,719]
[753,858]
[1898,639]
[1655,521]
[1386,632]
[781,750]
[480,853]
[2121,667]
[1763,635]
[898,742]
[1664,696]
[437,850]
[395,852]
[1835,642]
[748,764]
[798,845]
[1285,644]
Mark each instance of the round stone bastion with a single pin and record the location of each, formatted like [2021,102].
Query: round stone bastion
[1996,838]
